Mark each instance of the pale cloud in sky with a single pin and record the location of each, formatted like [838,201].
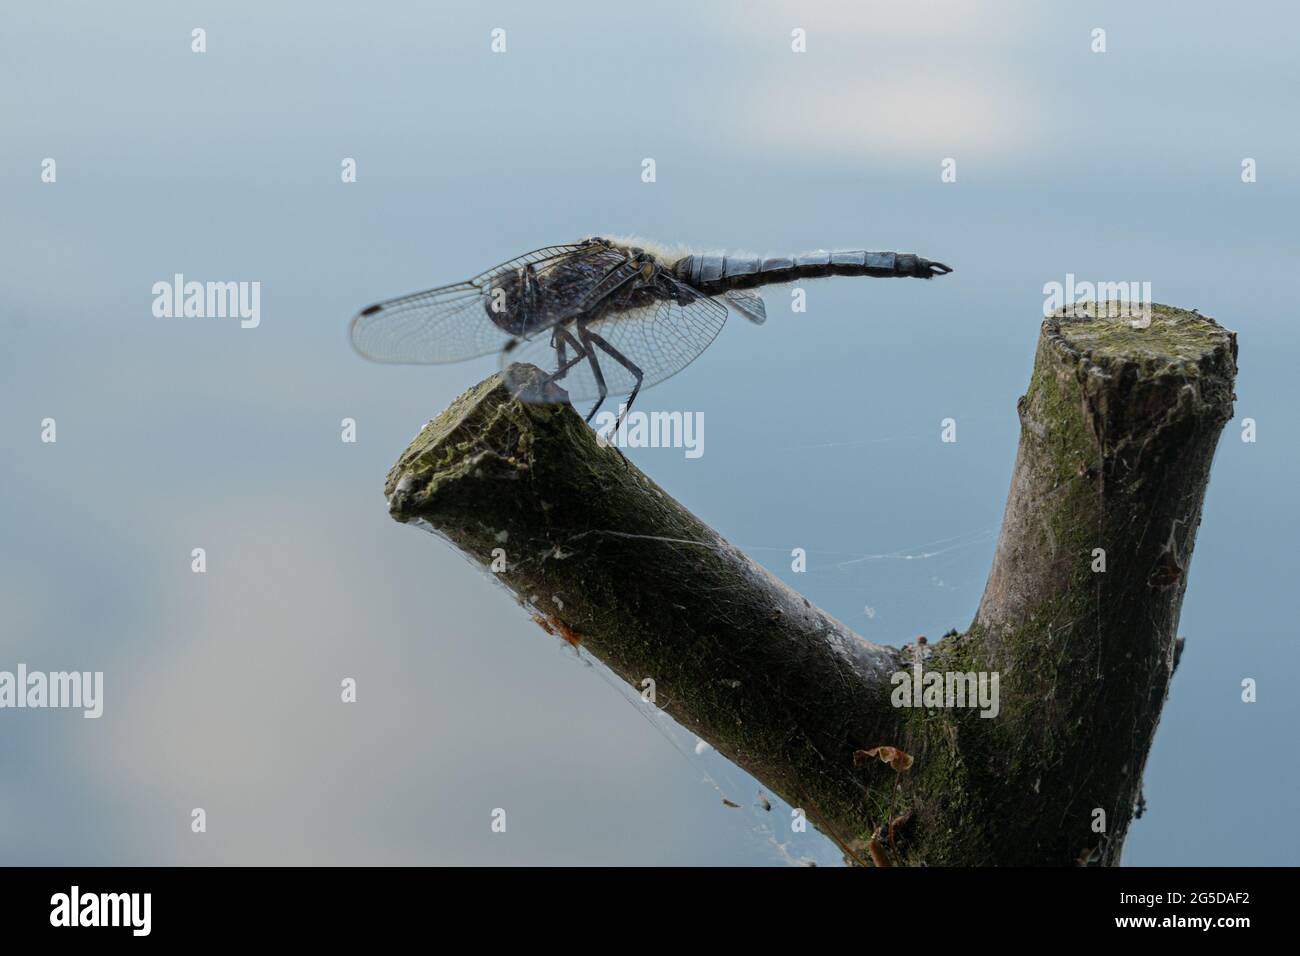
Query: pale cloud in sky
[931,115]
[904,81]
[233,705]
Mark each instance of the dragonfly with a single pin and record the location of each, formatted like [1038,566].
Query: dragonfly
[598,317]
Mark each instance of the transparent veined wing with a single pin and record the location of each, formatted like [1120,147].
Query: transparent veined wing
[452,323]
[661,338]
[748,303]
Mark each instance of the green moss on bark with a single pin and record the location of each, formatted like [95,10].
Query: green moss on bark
[1118,431]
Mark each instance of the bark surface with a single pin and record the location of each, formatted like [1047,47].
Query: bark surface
[1078,619]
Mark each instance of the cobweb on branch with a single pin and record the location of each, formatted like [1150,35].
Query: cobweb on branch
[760,815]
[879,591]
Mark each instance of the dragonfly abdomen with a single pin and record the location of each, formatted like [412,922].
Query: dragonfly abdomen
[718,273]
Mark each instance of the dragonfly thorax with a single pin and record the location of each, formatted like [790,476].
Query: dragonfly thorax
[524,300]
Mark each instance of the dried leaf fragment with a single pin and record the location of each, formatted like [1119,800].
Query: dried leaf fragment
[553,625]
[896,758]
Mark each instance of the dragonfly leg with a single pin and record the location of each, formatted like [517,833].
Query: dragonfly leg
[621,359]
[540,391]
[586,338]
[589,339]
[559,344]
[561,338]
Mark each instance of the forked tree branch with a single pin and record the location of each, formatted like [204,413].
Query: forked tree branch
[1079,618]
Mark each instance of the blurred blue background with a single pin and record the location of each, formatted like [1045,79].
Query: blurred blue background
[822,428]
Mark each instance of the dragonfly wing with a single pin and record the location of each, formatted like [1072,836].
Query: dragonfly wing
[747,303]
[452,323]
[660,338]
[441,325]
